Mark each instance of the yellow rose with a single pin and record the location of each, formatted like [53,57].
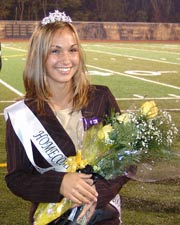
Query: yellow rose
[125,117]
[149,109]
[76,162]
[103,132]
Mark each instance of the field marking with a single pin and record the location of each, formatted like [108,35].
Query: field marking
[139,49]
[17,49]
[11,56]
[99,73]
[138,96]
[135,57]
[7,101]
[148,98]
[147,73]
[173,95]
[134,77]
[11,88]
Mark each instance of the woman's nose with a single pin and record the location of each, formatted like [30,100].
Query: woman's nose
[65,57]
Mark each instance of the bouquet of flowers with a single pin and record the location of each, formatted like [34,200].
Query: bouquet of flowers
[127,139]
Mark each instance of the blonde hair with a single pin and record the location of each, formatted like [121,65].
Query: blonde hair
[35,73]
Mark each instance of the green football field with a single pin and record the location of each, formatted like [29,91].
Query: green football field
[135,72]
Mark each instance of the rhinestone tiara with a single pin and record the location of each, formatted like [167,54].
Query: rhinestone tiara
[56,16]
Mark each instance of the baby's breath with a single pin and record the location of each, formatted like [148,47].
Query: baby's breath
[136,137]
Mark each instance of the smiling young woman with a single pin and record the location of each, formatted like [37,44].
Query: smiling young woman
[41,129]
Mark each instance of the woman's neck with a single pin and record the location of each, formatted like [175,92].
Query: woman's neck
[61,98]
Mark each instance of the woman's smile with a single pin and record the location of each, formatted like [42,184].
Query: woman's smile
[64,70]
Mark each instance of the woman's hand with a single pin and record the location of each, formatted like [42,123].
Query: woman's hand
[78,188]
[88,211]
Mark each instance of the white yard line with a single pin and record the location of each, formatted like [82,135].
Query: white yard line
[134,77]
[130,56]
[6,101]
[177,96]
[17,49]
[11,88]
[140,49]
[168,110]
[148,98]
[138,96]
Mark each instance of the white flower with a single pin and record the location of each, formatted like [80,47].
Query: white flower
[125,117]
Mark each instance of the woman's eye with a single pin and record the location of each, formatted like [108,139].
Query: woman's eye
[55,51]
[74,50]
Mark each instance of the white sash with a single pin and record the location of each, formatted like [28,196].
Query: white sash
[29,129]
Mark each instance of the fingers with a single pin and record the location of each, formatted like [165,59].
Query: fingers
[87,178]
[87,212]
[81,196]
[78,188]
